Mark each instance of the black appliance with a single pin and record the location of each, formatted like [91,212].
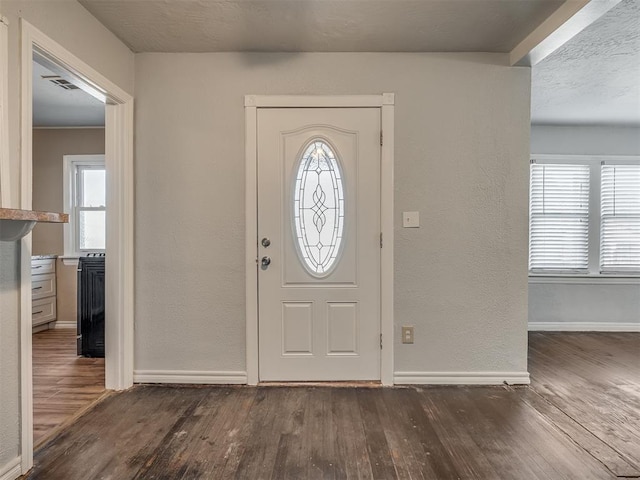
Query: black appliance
[91,305]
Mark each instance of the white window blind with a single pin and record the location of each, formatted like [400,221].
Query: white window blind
[620,218]
[559,218]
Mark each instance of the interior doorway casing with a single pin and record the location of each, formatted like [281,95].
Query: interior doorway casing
[385,103]
[119,242]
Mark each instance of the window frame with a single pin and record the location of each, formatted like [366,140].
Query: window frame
[595,180]
[72,164]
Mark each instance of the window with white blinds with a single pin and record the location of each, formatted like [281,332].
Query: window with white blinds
[620,219]
[559,218]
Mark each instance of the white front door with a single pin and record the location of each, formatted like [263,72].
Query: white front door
[319,244]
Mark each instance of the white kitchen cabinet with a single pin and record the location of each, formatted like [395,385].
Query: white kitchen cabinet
[43,290]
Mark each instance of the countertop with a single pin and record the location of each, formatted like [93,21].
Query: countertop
[33,216]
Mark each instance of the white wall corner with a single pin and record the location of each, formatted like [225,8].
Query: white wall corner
[461,378]
[584,327]
[196,377]
[11,470]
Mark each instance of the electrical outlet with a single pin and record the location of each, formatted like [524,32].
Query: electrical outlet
[407,334]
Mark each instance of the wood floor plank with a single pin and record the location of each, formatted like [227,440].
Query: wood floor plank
[166,461]
[577,420]
[593,378]
[218,452]
[466,454]
[377,446]
[350,435]
[542,447]
[606,454]
[420,419]
[140,442]
[406,464]
[490,436]
[131,429]
[265,425]
[63,383]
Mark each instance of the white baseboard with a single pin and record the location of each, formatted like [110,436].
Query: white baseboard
[583,327]
[189,376]
[60,324]
[40,328]
[11,470]
[461,378]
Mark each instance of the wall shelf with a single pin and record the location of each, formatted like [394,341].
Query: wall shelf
[15,224]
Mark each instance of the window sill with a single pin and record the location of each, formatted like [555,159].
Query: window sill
[584,279]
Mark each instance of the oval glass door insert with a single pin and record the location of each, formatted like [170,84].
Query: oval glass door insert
[318,208]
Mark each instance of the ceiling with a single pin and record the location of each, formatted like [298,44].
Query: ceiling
[594,78]
[321,25]
[54,106]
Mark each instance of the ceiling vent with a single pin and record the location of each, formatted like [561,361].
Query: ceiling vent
[60,82]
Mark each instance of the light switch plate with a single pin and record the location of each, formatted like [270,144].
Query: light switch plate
[411,219]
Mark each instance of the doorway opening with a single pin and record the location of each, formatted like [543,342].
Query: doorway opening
[68,146]
[118,197]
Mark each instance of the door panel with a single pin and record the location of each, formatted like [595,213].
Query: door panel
[319,208]
[297,328]
[342,328]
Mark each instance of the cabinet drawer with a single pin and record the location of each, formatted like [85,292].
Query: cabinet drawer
[43,310]
[43,286]
[39,267]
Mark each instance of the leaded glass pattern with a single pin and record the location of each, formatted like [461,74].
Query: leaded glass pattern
[318,208]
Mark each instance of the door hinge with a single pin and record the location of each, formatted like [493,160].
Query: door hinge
[380,239]
[380,341]
[381,138]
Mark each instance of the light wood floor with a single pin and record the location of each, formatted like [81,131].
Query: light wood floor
[63,383]
[580,419]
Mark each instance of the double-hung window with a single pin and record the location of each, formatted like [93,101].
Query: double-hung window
[620,218]
[559,218]
[85,201]
[584,216]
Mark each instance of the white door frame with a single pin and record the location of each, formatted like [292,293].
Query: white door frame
[119,242]
[385,103]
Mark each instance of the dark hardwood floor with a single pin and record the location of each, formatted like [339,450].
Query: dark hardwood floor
[63,383]
[590,384]
[579,419]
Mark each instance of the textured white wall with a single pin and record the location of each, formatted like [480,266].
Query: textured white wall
[9,354]
[579,303]
[585,140]
[50,145]
[571,302]
[462,144]
[69,24]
